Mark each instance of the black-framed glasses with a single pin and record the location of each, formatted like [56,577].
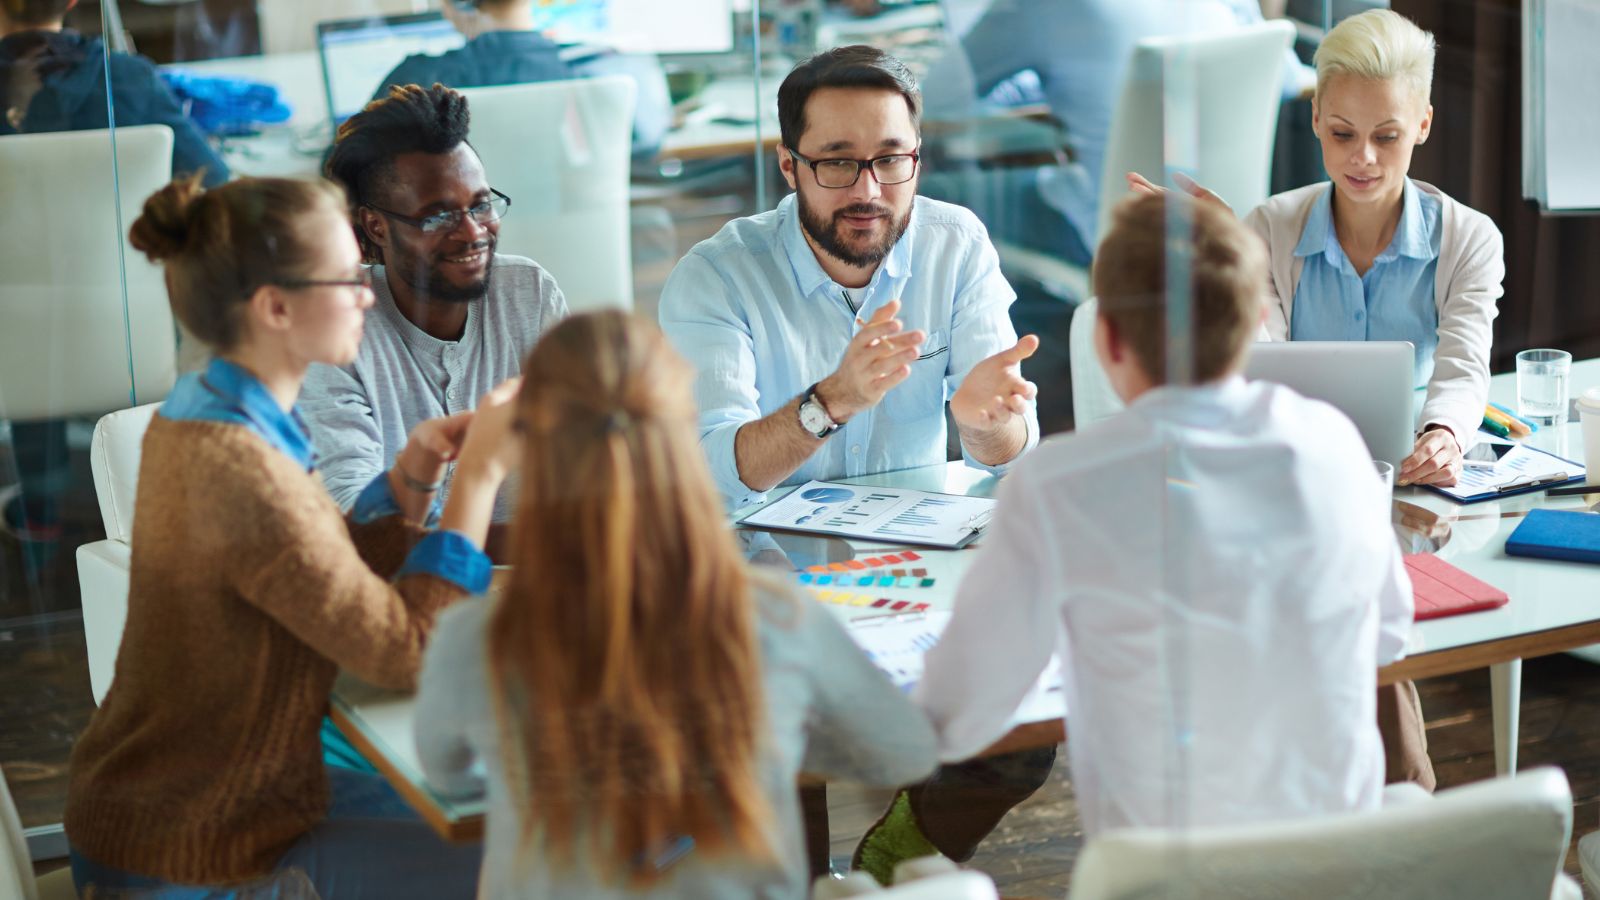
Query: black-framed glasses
[490,210]
[895,168]
[363,280]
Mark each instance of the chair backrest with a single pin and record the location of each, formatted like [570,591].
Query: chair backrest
[1092,396]
[1221,92]
[68,345]
[16,866]
[114,454]
[561,150]
[1501,838]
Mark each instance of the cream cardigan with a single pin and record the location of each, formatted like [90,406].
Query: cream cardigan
[1467,284]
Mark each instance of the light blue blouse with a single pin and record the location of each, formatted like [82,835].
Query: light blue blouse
[1394,301]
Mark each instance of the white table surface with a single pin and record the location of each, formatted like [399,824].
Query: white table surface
[1544,594]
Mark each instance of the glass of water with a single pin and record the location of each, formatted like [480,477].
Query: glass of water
[1385,473]
[1542,385]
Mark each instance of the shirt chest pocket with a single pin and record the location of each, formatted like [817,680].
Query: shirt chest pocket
[921,395]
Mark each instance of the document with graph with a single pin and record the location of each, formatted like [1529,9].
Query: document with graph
[884,515]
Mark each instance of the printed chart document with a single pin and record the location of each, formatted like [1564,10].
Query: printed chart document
[897,644]
[889,515]
[1522,469]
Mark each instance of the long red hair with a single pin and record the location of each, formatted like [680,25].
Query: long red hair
[623,650]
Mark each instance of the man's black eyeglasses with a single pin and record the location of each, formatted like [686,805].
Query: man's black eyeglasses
[490,210]
[896,168]
[362,280]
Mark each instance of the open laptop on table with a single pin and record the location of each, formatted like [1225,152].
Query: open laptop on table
[1369,381]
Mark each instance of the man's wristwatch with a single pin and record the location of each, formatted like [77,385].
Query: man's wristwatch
[814,416]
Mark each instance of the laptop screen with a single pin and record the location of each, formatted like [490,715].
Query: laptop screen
[358,53]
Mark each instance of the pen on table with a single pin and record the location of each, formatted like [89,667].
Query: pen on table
[1514,427]
[1573,490]
[979,521]
[1495,428]
[1552,479]
[1532,425]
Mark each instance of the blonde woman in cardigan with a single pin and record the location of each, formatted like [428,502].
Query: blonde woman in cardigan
[1375,255]
[201,772]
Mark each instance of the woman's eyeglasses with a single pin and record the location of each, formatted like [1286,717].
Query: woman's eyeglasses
[363,280]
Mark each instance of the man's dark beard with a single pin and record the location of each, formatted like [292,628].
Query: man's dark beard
[826,232]
[412,269]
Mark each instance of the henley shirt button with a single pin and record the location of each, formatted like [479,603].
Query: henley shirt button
[855,449]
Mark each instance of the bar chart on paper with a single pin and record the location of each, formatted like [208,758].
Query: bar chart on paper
[889,515]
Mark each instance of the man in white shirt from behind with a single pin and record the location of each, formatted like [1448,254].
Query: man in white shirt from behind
[1215,566]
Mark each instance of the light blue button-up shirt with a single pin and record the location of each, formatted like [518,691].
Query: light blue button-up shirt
[1394,301]
[756,314]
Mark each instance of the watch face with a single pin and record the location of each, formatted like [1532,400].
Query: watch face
[814,419]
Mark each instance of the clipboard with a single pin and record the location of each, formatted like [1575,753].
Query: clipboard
[882,515]
[1524,470]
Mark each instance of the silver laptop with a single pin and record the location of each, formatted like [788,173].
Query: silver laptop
[1369,381]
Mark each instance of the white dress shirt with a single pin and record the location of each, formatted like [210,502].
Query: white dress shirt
[1217,570]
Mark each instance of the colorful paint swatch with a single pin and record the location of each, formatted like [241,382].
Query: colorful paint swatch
[900,605]
[874,562]
[838,567]
[861,600]
[927,582]
[920,607]
[882,602]
[815,569]
[855,564]
[909,555]
[891,559]
[919,573]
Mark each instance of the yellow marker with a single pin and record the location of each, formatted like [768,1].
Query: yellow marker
[1512,425]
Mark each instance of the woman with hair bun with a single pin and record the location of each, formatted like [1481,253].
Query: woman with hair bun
[201,772]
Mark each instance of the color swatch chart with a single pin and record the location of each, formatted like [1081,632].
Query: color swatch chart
[840,583]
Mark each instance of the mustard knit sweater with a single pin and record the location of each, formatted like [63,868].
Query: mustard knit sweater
[248,592]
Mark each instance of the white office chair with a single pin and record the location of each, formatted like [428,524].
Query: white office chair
[1503,839]
[928,878]
[68,344]
[103,565]
[560,150]
[1207,104]
[16,868]
[1092,396]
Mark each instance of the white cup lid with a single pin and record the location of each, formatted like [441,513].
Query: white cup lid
[1590,399]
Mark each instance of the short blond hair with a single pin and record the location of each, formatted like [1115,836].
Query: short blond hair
[1227,276]
[1378,45]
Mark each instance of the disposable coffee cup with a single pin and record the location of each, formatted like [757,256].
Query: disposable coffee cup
[1589,416]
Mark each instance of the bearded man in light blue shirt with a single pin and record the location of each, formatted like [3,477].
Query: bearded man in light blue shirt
[830,332]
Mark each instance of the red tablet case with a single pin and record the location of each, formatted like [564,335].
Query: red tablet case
[1441,589]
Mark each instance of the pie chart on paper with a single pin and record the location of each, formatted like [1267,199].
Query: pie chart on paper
[827,495]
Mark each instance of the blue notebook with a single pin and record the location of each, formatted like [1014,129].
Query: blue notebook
[1557,534]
